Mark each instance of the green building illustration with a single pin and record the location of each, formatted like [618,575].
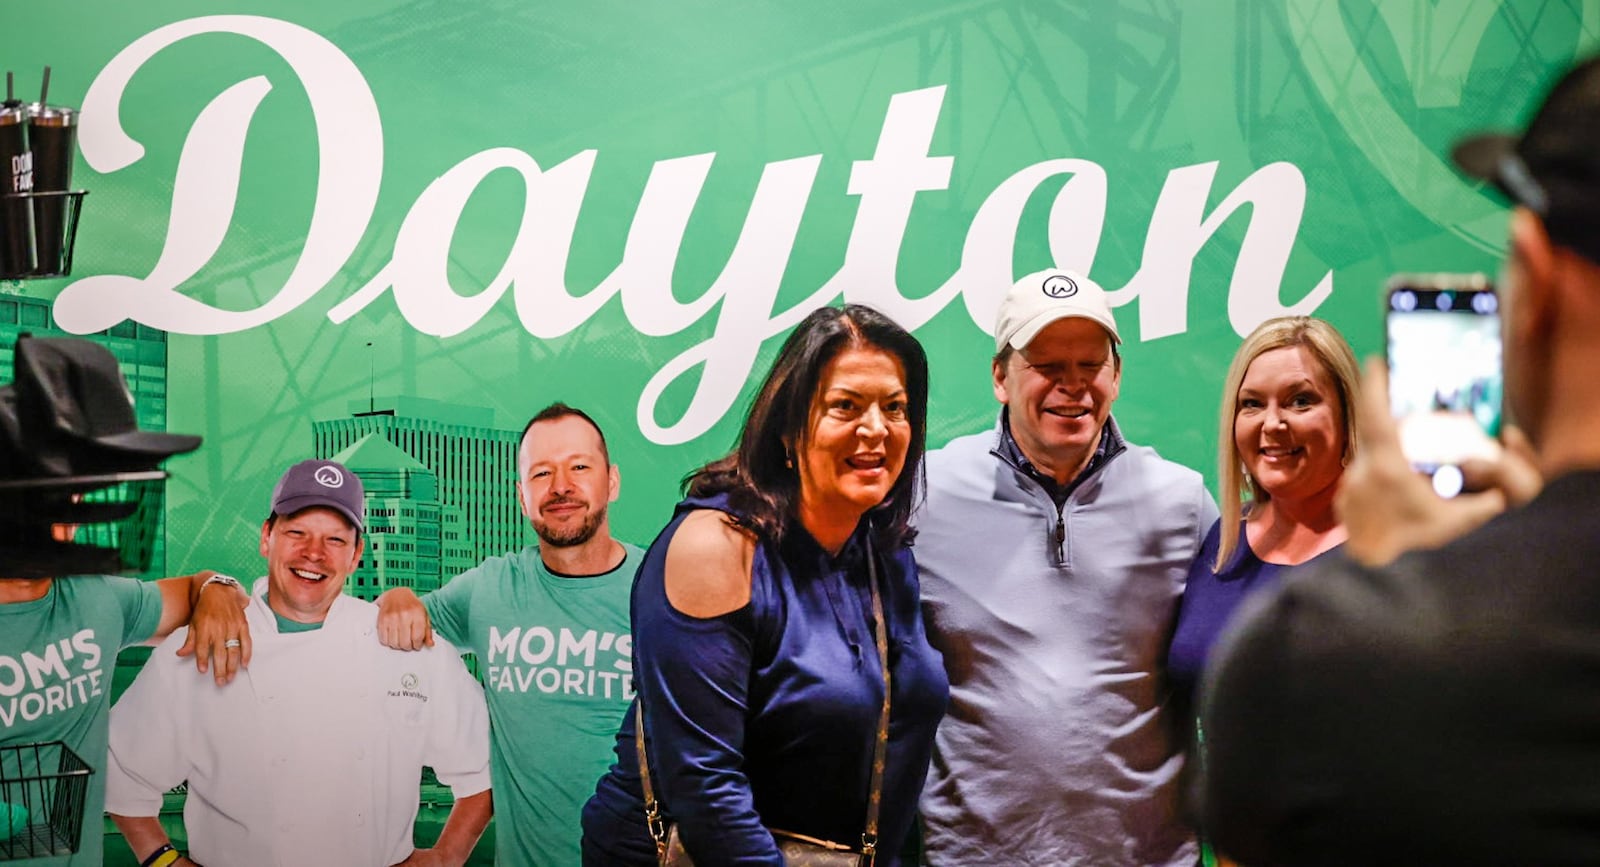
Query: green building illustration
[141,352]
[472,463]
[413,540]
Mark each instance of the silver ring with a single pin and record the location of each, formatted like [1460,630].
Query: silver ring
[231,643]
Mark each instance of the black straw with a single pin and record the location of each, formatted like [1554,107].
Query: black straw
[44,89]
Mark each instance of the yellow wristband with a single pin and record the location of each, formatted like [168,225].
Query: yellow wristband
[165,859]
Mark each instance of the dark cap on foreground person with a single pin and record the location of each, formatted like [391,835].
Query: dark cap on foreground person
[1553,167]
[68,432]
[75,416]
[320,483]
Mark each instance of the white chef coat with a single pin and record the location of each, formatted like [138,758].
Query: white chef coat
[312,755]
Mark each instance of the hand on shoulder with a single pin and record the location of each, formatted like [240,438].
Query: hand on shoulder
[708,565]
[403,622]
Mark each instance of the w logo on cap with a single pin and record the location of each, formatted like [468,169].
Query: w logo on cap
[321,482]
[1060,286]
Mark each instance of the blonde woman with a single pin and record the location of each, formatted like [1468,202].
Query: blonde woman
[1288,430]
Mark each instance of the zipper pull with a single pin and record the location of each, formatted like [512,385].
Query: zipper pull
[1061,539]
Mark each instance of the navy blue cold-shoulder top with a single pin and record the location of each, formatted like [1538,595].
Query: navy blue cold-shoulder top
[1210,600]
[767,715]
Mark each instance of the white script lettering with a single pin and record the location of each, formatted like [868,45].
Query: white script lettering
[350,165]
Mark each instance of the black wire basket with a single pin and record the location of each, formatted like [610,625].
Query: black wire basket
[37,233]
[42,788]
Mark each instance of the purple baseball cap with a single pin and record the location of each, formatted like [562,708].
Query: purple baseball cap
[320,483]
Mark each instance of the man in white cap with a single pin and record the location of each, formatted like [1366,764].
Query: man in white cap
[1052,555]
[315,757]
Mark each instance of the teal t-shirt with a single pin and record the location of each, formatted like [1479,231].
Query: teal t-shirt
[556,658]
[57,657]
[287,626]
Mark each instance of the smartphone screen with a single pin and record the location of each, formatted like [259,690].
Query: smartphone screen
[1445,385]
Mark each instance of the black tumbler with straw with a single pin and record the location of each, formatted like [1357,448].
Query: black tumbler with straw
[52,135]
[16,177]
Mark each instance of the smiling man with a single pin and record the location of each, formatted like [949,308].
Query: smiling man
[1052,555]
[549,624]
[316,757]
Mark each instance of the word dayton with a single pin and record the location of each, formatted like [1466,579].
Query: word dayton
[350,160]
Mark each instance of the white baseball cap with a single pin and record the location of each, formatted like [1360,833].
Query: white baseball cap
[1043,297]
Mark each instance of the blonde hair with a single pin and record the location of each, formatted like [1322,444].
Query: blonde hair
[1330,349]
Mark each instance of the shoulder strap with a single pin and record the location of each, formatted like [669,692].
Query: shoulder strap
[652,809]
[880,752]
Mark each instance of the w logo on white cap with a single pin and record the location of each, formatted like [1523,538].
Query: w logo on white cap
[329,477]
[1060,286]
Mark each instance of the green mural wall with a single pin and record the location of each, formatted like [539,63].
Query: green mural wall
[623,205]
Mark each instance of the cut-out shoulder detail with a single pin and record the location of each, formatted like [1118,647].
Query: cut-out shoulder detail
[708,565]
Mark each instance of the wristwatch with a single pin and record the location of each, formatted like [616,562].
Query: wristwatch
[219,578]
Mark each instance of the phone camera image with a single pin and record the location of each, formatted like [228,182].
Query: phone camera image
[1444,372]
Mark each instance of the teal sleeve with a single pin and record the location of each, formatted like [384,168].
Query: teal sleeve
[450,609]
[140,602]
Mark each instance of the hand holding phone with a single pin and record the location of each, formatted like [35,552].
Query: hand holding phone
[1445,382]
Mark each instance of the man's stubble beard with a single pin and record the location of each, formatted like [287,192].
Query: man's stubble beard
[575,537]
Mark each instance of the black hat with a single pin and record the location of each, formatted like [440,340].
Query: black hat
[1553,167]
[71,453]
[76,416]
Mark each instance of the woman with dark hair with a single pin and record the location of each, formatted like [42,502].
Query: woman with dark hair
[755,652]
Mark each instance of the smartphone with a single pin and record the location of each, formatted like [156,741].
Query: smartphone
[1445,384]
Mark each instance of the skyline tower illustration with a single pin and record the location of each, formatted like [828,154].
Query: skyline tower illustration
[473,464]
[413,540]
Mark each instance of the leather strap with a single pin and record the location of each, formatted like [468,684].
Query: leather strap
[652,809]
[880,752]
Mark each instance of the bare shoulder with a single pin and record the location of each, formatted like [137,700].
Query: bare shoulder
[708,565]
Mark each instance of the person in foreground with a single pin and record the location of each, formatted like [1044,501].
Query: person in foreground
[1052,554]
[316,757]
[1432,698]
[1289,422]
[547,745]
[67,427]
[755,654]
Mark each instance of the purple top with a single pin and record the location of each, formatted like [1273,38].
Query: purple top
[1209,602]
